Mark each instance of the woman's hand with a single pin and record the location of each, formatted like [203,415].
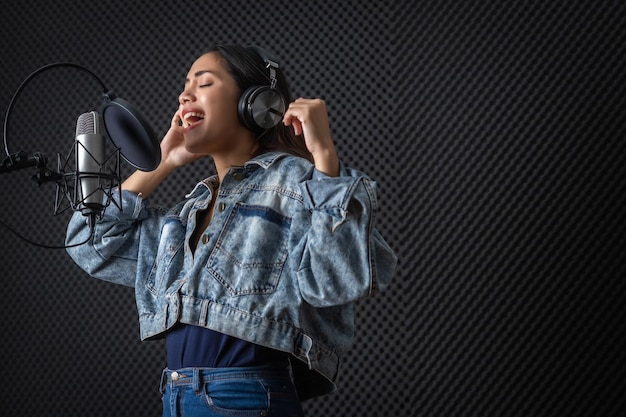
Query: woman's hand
[173,151]
[310,118]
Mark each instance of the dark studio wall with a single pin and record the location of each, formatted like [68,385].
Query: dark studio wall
[495,131]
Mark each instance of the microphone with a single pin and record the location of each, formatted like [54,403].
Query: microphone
[92,178]
[90,161]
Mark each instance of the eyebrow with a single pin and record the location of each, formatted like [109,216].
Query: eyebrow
[201,72]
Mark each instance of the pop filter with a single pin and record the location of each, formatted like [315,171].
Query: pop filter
[129,132]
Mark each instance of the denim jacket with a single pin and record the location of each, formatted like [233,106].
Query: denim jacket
[287,253]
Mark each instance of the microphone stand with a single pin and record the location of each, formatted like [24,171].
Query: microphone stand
[21,160]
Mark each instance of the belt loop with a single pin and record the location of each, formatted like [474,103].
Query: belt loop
[196,380]
[163,381]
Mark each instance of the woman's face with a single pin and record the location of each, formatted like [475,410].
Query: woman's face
[208,108]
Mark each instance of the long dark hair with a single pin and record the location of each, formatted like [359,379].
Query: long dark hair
[247,67]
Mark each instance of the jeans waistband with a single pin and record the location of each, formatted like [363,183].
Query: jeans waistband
[198,376]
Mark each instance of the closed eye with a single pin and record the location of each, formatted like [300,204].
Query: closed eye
[206,85]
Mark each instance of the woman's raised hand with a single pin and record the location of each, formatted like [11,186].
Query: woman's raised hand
[309,118]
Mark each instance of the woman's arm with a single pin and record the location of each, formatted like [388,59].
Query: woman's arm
[113,252]
[344,257]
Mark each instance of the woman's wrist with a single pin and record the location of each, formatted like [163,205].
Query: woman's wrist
[327,162]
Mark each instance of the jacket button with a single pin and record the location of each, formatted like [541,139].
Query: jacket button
[205,239]
[239,176]
[221,206]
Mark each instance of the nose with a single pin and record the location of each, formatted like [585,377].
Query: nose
[186,96]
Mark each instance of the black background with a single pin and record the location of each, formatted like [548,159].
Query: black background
[495,131]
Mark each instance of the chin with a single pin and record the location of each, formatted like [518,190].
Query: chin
[196,148]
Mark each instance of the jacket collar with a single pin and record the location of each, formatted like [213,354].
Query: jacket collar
[264,161]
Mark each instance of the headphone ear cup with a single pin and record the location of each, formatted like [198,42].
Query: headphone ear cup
[261,108]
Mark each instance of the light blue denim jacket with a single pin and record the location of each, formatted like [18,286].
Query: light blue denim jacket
[287,253]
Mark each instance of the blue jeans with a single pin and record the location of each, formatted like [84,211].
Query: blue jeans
[251,391]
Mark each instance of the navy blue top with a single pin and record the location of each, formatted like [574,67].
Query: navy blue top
[193,346]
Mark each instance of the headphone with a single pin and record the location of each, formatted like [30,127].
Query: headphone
[262,107]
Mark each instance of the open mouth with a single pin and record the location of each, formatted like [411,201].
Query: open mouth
[192,118]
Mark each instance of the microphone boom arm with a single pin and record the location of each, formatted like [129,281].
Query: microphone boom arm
[21,160]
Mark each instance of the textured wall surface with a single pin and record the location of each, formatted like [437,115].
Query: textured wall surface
[496,133]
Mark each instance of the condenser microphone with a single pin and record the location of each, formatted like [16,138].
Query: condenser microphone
[90,161]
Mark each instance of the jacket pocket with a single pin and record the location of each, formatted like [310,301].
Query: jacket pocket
[251,250]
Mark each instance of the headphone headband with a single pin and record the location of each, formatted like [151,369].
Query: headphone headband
[270,63]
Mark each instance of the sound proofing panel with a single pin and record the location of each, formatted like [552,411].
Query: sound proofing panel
[496,134]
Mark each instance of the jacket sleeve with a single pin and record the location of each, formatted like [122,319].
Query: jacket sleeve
[344,257]
[112,253]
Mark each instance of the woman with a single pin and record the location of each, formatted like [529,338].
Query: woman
[252,278]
